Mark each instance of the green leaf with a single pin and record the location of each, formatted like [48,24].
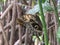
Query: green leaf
[34,37]
[58,34]
[43,1]
[2,0]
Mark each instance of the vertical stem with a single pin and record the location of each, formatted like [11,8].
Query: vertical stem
[26,36]
[20,35]
[3,33]
[8,20]
[56,14]
[56,11]
[43,22]
[20,27]
[13,25]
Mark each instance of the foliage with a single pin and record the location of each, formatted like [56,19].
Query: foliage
[0,8]
[43,1]
[58,34]
[56,12]
[34,38]
[2,0]
[46,7]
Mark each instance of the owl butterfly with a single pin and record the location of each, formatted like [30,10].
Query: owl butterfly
[33,20]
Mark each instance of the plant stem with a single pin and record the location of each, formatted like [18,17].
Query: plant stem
[43,22]
[56,11]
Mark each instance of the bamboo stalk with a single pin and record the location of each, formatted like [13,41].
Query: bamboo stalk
[43,22]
